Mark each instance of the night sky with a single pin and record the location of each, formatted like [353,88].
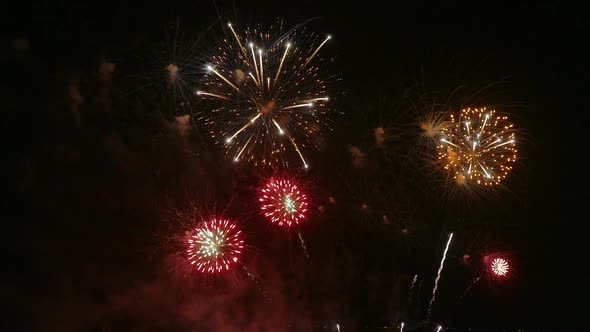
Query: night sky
[101,182]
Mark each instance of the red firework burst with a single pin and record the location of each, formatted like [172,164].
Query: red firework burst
[500,267]
[283,203]
[214,246]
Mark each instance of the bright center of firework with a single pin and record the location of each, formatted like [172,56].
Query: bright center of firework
[214,241]
[269,107]
[214,246]
[500,267]
[267,95]
[479,147]
[290,205]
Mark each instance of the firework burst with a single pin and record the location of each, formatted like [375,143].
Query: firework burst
[283,203]
[478,147]
[500,267]
[214,246]
[268,97]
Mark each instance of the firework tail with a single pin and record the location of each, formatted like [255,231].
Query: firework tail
[470,286]
[411,289]
[442,264]
[257,282]
[303,245]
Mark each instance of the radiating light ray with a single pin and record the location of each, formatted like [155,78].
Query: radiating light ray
[281,132]
[296,106]
[299,152]
[445,141]
[223,78]
[317,50]
[238,40]
[442,264]
[282,61]
[261,66]
[254,59]
[254,78]
[212,95]
[282,78]
[237,158]
[243,128]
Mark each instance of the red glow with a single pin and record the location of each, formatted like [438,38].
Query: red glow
[283,203]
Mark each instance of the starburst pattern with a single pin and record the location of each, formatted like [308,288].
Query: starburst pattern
[478,147]
[500,267]
[283,203]
[267,94]
[215,246]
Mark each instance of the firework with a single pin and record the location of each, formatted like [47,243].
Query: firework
[442,264]
[214,246]
[478,147]
[401,329]
[500,267]
[269,99]
[283,203]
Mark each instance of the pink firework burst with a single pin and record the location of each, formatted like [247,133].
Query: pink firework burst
[214,246]
[283,203]
[500,267]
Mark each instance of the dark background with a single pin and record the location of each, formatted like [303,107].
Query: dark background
[88,228]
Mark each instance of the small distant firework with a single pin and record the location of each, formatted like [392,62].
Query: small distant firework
[338,327]
[214,246]
[283,202]
[500,267]
[442,264]
[438,328]
[401,328]
[478,147]
[269,97]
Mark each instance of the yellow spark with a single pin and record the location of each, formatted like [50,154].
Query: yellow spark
[296,106]
[317,50]
[282,60]
[244,127]
[223,78]
[278,127]
[238,40]
[212,95]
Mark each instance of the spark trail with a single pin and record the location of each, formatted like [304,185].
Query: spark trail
[442,264]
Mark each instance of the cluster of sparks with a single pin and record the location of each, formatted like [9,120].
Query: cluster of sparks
[500,267]
[478,147]
[214,246]
[267,93]
[283,202]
